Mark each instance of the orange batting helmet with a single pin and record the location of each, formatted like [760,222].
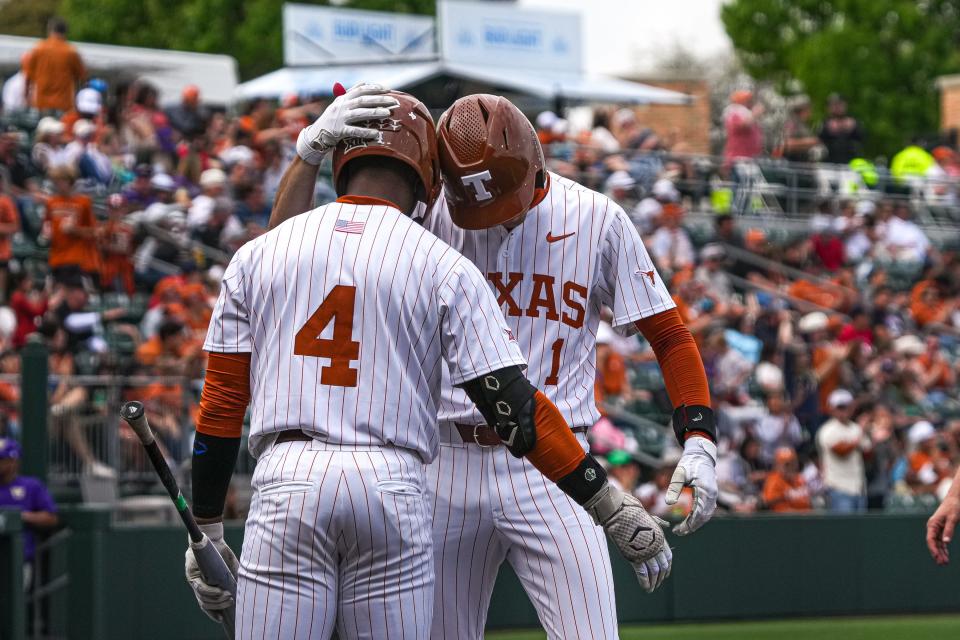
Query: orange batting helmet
[491,161]
[408,135]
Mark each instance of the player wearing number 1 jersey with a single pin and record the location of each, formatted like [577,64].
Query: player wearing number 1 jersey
[335,327]
[555,253]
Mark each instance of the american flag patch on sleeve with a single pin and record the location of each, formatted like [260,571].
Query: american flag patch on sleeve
[348,226]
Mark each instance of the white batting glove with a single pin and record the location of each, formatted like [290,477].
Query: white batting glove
[696,470]
[212,600]
[637,534]
[360,103]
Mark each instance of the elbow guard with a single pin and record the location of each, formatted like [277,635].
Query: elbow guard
[505,399]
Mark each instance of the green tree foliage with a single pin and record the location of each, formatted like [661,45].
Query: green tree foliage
[26,17]
[883,56]
[249,30]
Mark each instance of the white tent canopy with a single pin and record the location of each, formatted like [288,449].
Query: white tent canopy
[545,85]
[170,71]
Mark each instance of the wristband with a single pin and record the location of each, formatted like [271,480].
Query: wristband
[694,420]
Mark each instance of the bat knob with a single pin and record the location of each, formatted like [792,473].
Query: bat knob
[338,90]
[132,410]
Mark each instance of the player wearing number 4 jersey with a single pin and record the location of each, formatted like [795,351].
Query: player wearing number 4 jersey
[554,253]
[335,327]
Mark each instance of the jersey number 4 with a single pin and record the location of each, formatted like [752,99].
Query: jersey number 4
[342,348]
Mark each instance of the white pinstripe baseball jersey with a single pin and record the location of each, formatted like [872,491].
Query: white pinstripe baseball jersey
[574,253]
[348,311]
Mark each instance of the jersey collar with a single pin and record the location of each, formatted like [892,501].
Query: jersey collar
[366,200]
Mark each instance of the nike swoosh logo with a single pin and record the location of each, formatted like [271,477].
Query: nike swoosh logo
[553,238]
[698,418]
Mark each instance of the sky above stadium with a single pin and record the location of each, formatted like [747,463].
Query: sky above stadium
[632,36]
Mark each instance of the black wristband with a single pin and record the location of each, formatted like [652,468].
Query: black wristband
[213,462]
[694,418]
[582,483]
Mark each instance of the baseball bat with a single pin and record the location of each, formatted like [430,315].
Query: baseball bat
[212,566]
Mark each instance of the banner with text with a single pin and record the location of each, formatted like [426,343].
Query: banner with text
[322,35]
[505,35]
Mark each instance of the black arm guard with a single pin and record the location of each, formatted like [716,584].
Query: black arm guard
[213,462]
[694,418]
[585,481]
[505,399]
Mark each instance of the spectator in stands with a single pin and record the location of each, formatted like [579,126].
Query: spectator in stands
[858,329]
[731,370]
[144,125]
[878,423]
[826,242]
[189,118]
[88,106]
[9,225]
[48,149]
[928,464]
[778,428]
[71,227]
[252,206]
[711,271]
[83,328]
[623,470]
[15,163]
[222,230]
[647,214]
[169,345]
[600,135]
[934,371]
[799,142]
[139,194]
[785,490]
[903,239]
[54,71]
[116,240]
[29,303]
[213,185]
[840,133]
[930,302]
[29,495]
[612,383]
[13,98]
[742,126]
[841,444]
[670,245]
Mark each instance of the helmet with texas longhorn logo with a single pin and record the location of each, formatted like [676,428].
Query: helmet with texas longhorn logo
[491,161]
[408,135]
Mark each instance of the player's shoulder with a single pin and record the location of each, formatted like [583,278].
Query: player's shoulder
[587,200]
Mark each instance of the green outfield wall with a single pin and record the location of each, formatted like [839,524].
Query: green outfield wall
[127,581]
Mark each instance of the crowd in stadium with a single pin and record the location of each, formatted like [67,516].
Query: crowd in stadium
[832,349]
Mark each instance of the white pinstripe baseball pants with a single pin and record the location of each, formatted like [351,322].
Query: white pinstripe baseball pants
[337,538]
[489,506]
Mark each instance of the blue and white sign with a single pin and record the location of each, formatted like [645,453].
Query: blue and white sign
[322,35]
[509,36]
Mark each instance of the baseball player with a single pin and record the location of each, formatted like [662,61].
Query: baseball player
[336,327]
[554,253]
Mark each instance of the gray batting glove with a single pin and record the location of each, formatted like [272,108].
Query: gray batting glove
[344,118]
[212,599]
[637,534]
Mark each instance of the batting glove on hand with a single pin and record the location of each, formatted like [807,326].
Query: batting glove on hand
[363,102]
[696,470]
[212,599]
[637,534]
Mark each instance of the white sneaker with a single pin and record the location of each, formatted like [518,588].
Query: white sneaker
[100,470]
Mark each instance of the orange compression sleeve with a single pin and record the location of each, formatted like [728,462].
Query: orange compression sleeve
[557,451]
[225,396]
[679,358]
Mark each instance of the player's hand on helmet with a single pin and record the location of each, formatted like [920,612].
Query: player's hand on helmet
[696,469]
[213,600]
[637,534]
[343,118]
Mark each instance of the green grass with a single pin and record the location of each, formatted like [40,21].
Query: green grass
[881,628]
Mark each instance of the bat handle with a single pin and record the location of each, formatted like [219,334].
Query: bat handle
[216,574]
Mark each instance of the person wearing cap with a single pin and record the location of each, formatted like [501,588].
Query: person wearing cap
[927,464]
[841,443]
[89,106]
[785,490]
[623,470]
[213,184]
[711,272]
[742,125]
[72,228]
[189,118]
[37,509]
[54,70]
[800,144]
[649,209]
[116,241]
[778,428]
[48,144]
[139,194]
[670,245]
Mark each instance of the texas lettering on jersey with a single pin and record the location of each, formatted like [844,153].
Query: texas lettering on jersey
[575,253]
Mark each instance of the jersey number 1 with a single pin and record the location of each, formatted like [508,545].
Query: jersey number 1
[554,377]
[342,348]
